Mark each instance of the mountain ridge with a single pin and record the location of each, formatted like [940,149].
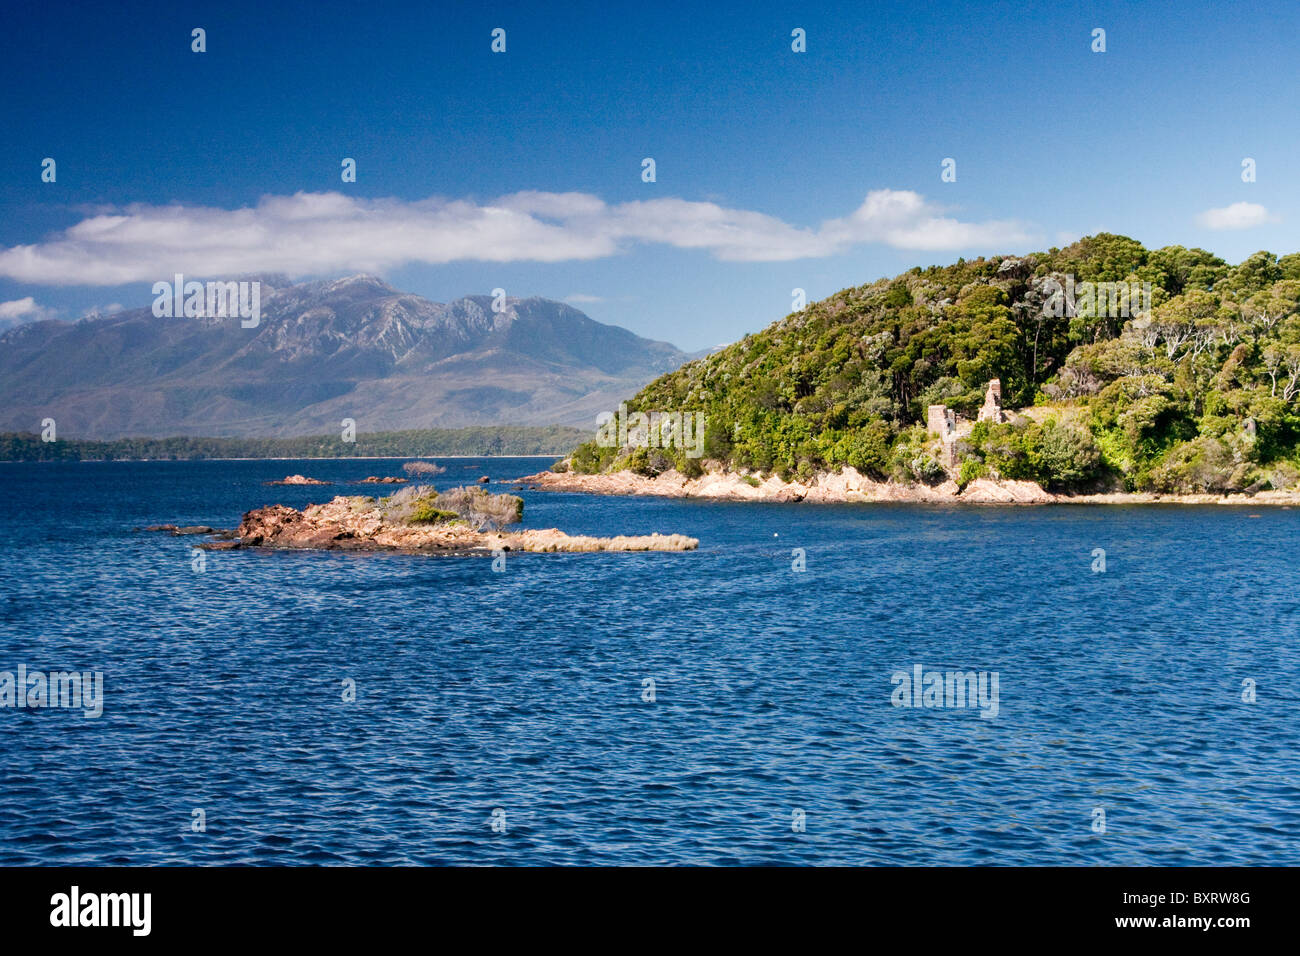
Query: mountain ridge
[352,347]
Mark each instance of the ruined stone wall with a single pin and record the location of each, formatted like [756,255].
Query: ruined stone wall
[991,411]
[936,419]
[942,420]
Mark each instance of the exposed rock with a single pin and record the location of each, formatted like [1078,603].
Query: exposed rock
[484,480]
[187,529]
[1012,268]
[848,485]
[986,491]
[845,485]
[376,480]
[359,524]
[297,480]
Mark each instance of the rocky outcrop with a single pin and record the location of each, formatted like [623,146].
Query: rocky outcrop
[848,485]
[297,480]
[376,480]
[985,491]
[1012,269]
[360,524]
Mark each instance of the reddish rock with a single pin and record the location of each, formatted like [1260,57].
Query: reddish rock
[351,523]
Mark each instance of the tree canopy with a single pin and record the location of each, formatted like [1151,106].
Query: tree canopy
[1195,389]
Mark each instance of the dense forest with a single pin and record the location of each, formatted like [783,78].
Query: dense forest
[487,440]
[1195,389]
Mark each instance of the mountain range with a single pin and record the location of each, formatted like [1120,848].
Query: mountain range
[324,351]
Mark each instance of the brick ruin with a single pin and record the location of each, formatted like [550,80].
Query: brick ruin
[942,420]
[991,411]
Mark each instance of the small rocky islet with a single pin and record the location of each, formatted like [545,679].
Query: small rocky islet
[369,480]
[296,480]
[415,519]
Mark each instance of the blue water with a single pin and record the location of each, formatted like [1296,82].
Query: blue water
[522,690]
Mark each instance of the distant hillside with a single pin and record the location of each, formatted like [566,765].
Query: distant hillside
[498,440]
[1199,395]
[324,351]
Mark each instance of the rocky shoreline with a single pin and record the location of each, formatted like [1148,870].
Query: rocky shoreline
[848,485]
[360,524]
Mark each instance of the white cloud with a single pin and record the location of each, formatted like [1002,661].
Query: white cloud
[906,220]
[581,298]
[1240,215]
[17,308]
[23,310]
[321,233]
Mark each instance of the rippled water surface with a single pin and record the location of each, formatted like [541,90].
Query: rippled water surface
[522,691]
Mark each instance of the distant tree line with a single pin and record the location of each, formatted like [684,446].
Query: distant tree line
[417,443]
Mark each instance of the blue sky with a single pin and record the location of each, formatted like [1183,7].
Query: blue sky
[229,160]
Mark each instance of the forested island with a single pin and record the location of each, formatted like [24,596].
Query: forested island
[424,443]
[1122,370]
